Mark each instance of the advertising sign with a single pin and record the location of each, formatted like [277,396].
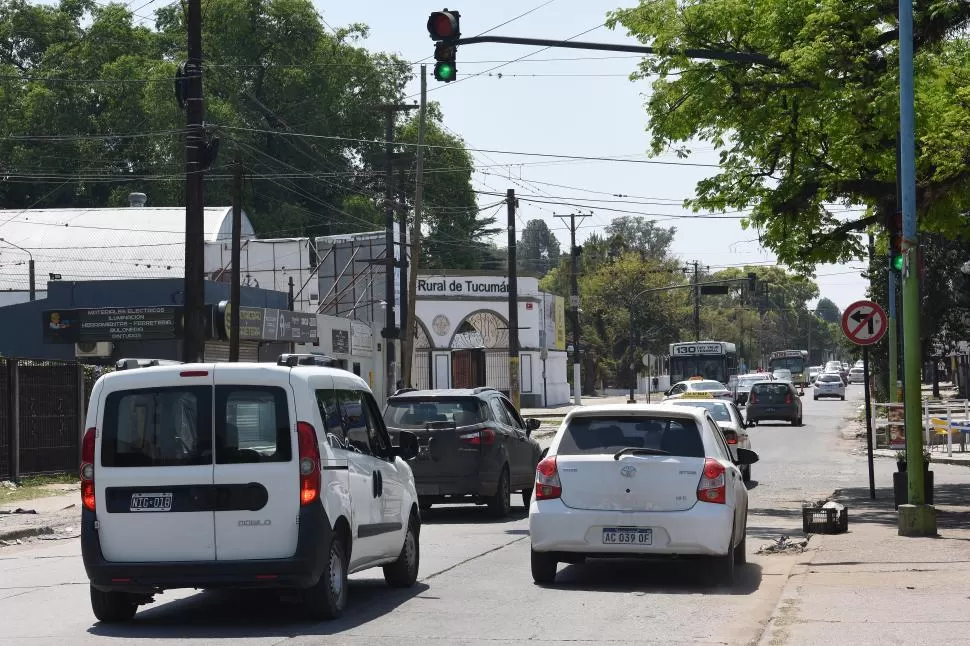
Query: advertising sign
[341,341]
[112,324]
[265,324]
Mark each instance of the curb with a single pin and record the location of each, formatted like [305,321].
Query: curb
[27,532]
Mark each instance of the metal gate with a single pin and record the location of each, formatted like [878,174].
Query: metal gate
[421,370]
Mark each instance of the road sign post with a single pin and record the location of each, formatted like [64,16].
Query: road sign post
[864,323]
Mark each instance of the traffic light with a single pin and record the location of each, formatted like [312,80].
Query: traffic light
[894,226]
[443,27]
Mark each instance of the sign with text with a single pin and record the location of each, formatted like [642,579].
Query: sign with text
[112,324]
[462,286]
[340,341]
[690,349]
[267,324]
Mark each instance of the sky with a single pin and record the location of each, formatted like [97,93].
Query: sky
[566,102]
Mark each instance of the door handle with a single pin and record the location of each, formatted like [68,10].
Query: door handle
[378,483]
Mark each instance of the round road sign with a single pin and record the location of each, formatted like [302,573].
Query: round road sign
[864,322]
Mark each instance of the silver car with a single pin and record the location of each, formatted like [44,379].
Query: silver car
[829,384]
[857,376]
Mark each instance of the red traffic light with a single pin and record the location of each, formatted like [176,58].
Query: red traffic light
[443,25]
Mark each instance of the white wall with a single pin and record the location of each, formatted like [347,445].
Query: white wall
[268,264]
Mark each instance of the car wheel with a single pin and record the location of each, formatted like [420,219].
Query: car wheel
[842,398]
[403,572]
[816,397]
[746,474]
[544,567]
[526,498]
[741,551]
[501,502]
[112,607]
[328,598]
[723,569]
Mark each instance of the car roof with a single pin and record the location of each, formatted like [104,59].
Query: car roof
[443,392]
[235,367]
[646,410]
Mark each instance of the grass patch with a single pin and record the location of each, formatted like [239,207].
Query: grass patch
[37,487]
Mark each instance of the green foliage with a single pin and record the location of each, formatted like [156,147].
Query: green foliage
[815,129]
[828,311]
[538,250]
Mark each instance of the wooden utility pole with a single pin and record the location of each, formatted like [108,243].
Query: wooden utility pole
[407,343]
[514,389]
[574,307]
[236,253]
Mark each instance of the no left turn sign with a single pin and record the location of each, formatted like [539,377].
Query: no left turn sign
[864,322]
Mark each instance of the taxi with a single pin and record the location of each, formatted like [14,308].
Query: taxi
[699,388]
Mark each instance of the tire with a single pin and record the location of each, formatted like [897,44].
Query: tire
[501,503]
[842,398]
[526,498]
[746,474]
[544,567]
[816,397]
[112,607]
[741,551]
[403,572]
[724,566]
[328,598]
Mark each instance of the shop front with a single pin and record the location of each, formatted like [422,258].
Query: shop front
[462,336]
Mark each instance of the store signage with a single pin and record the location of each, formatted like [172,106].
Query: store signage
[341,341]
[477,286]
[266,324]
[112,324]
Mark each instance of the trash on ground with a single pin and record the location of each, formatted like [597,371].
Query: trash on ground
[18,510]
[7,484]
[16,541]
[785,545]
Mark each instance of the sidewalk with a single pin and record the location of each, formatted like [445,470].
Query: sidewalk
[56,515]
[872,586]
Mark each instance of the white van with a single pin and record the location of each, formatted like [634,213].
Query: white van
[243,475]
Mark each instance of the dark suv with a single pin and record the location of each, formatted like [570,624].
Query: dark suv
[473,446]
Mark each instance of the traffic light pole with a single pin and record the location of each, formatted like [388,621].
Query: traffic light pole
[916,518]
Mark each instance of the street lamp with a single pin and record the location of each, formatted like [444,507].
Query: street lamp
[30,265]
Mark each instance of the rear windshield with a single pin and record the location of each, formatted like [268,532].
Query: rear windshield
[417,413]
[598,435]
[707,385]
[771,389]
[718,410]
[748,382]
[828,378]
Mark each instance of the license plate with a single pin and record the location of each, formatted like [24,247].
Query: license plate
[769,410]
[151,502]
[627,536]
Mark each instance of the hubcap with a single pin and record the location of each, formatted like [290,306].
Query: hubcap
[410,549]
[336,574]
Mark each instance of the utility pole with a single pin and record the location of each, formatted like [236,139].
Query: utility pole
[402,227]
[195,153]
[236,253]
[574,307]
[892,312]
[407,344]
[916,518]
[510,204]
[697,298]
[390,331]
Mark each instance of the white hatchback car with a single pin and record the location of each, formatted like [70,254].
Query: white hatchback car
[638,480]
[829,384]
[242,475]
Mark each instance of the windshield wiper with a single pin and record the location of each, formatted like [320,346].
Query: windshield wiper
[638,450]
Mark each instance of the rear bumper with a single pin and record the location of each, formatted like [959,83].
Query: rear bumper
[433,488]
[829,393]
[756,412]
[703,530]
[302,570]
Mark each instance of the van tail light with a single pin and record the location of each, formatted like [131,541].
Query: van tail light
[309,463]
[485,436]
[548,486]
[712,487]
[788,398]
[753,397]
[87,469]
[731,437]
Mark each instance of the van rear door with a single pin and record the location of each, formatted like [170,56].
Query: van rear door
[153,466]
[256,473]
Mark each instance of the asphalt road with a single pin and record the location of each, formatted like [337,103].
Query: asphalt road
[475,586]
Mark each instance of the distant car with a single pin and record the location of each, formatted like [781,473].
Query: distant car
[626,480]
[782,374]
[473,446]
[774,400]
[857,375]
[813,373]
[729,420]
[744,383]
[829,384]
[683,388]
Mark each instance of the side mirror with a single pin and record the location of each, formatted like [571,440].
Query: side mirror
[746,457]
[407,447]
[666,393]
[532,424]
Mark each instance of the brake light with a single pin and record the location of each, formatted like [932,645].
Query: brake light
[788,398]
[87,469]
[732,438]
[309,463]
[485,436]
[548,486]
[194,373]
[753,397]
[712,487]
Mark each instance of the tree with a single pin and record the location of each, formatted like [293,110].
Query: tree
[816,125]
[828,311]
[636,233]
[538,250]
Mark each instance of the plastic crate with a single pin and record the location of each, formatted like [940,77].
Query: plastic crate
[816,520]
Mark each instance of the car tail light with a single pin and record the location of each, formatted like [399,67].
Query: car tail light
[712,487]
[548,486]
[87,469]
[485,436]
[753,397]
[309,463]
[732,438]
[788,398]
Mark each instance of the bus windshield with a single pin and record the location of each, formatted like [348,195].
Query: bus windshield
[795,364]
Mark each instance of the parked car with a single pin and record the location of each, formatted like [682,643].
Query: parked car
[774,400]
[744,384]
[639,480]
[473,446]
[857,375]
[728,418]
[242,475]
[829,384]
[684,388]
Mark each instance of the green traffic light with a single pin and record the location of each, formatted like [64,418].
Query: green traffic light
[897,262]
[444,72]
